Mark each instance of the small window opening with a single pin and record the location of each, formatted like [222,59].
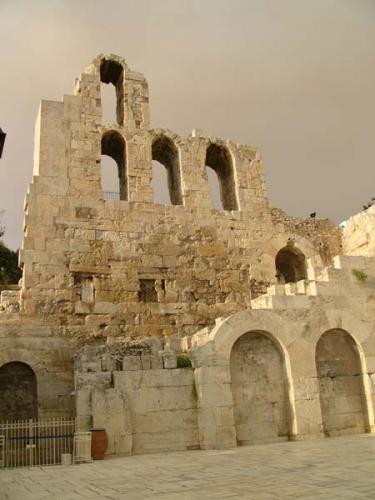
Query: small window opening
[87,290]
[219,160]
[290,264]
[112,72]
[147,291]
[114,180]
[214,187]
[166,178]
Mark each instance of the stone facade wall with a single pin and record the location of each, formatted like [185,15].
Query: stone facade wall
[299,364]
[86,261]
[144,401]
[97,270]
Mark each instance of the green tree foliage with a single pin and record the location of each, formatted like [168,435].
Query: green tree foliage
[10,273]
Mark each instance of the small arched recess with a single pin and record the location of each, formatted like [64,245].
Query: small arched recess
[290,264]
[114,180]
[219,160]
[165,154]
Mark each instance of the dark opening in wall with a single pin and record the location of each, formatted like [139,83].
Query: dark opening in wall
[219,160]
[147,291]
[18,392]
[290,264]
[112,72]
[164,152]
[114,180]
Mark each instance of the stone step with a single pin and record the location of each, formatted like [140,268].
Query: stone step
[280,302]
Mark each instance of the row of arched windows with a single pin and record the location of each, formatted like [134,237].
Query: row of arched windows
[167,173]
[166,178]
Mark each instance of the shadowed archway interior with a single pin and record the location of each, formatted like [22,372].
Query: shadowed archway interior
[18,392]
[290,264]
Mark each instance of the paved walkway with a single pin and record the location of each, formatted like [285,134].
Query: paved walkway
[336,468]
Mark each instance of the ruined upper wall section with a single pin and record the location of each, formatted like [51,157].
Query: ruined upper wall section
[71,137]
[131,90]
[359,234]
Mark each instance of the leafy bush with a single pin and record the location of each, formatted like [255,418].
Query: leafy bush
[183,361]
[360,275]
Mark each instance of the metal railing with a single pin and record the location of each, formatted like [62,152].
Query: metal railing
[27,443]
[110,195]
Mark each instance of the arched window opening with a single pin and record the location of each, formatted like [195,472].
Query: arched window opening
[219,160]
[214,187]
[259,388]
[165,153]
[290,264]
[340,384]
[112,72]
[18,392]
[114,178]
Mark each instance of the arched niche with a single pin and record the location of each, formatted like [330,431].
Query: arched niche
[18,392]
[113,146]
[112,72]
[290,264]
[219,160]
[260,389]
[165,154]
[342,398]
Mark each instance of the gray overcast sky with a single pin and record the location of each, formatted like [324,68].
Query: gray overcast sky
[296,78]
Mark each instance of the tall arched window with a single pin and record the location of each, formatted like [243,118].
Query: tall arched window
[218,159]
[164,152]
[112,72]
[290,264]
[114,174]
[18,392]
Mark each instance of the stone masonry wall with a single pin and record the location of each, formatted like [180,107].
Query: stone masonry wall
[87,262]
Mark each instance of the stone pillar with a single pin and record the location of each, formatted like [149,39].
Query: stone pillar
[215,407]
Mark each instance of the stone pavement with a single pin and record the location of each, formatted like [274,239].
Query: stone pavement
[336,468]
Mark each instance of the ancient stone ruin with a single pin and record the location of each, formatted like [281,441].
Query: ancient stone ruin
[180,326]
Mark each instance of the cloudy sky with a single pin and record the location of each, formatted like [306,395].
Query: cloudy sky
[296,78]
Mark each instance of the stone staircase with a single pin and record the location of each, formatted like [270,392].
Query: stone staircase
[348,275]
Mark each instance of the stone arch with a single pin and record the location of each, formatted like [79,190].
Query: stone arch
[227,332]
[18,391]
[219,159]
[165,152]
[290,264]
[342,388]
[113,145]
[112,72]
[259,389]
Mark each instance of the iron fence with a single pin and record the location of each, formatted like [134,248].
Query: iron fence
[27,443]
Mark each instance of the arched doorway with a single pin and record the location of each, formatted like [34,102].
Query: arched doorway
[290,264]
[18,392]
[340,384]
[260,398]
